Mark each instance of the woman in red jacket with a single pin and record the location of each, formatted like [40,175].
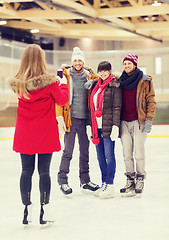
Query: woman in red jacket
[36,129]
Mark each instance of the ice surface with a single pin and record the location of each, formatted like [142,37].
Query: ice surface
[85,217]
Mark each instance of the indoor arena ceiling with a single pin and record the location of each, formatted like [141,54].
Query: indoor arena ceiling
[99,19]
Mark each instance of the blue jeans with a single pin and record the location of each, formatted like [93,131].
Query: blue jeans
[106,157]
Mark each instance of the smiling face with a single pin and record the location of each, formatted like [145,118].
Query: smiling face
[128,66]
[78,64]
[104,74]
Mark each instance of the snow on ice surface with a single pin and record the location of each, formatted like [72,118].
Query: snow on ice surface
[85,217]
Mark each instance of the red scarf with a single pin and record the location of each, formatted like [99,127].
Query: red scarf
[98,111]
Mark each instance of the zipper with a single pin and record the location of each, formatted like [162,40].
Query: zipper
[29,197]
[138,103]
[44,200]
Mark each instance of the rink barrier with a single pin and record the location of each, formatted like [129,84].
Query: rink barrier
[150,136]
[158,136]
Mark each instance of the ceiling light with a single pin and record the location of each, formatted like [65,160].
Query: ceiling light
[3,22]
[1,2]
[156,4]
[34,30]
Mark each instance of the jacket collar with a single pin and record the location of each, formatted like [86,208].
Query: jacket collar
[34,83]
[144,77]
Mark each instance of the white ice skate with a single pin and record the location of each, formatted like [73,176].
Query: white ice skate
[97,192]
[107,192]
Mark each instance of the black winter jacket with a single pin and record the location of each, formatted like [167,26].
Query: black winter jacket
[112,104]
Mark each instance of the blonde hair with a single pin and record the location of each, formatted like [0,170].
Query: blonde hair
[32,65]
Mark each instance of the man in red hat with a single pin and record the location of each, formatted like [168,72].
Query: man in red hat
[138,110]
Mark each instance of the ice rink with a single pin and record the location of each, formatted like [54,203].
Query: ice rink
[85,217]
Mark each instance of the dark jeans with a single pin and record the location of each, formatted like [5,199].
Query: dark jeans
[79,127]
[28,167]
[106,158]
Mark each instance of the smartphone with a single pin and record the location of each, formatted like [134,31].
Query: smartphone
[60,73]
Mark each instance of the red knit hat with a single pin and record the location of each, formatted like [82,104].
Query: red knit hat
[132,58]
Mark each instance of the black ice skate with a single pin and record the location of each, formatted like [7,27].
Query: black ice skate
[27,218]
[129,189]
[139,184]
[66,189]
[90,186]
[46,217]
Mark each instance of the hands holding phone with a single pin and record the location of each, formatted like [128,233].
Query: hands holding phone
[62,79]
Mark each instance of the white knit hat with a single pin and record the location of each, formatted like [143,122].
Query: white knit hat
[78,54]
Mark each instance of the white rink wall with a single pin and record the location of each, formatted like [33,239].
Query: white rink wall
[157,130]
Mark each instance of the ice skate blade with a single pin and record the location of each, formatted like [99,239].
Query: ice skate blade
[96,194]
[69,196]
[46,225]
[26,226]
[107,197]
[138,195]
[129,194]
[87,191]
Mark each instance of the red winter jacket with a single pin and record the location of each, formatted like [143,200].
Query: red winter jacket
[36,125]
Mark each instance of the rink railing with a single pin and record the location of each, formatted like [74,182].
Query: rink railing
[149,136]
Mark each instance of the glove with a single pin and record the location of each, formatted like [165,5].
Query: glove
[114,133]
[88,131]
[147,126]
[61,125]
[62,80]
[88,84]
